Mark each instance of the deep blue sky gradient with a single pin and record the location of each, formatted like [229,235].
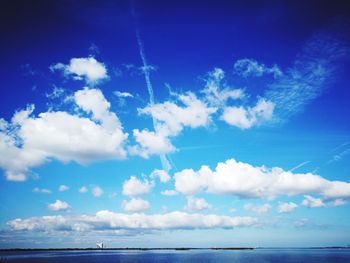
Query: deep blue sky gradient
[184,40]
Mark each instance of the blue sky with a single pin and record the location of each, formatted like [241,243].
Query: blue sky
[244,142]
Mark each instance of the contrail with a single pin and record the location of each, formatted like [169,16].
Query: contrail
[298,166]
[145,68]
[146,71]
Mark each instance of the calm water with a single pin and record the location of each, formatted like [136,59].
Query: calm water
[251,256]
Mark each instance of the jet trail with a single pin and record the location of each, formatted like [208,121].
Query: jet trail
[145,68]
[146,71]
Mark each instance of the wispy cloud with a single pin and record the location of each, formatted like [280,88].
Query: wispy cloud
[63,188]
[42,190]
[313,71]
[96,191]
[339,156]
[122,94]
[248,67]
[260,209]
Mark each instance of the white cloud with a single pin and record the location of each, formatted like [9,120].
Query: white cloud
[29,141]
[124,94]
[135,205]
[251,68]
[311,202]
[246,181]
[92,101]
[63,188]
[107,220]
[150,143]
[169,192]
[88,69]
[338,202]
[161,174]
[96,191]
[196,204]
[286,207]
[189,182]
[301,222]
[314,70]
[3,124]
[136,187]
[339,156]
[56,93]
[42,190]
[58,206]
[245,118]
[83,189]
[262,209]
[170,119]
[217,92]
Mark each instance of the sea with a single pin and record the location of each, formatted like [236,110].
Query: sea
[197,255]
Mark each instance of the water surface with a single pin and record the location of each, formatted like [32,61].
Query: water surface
[201,255]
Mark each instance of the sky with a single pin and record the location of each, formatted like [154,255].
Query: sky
[174,123]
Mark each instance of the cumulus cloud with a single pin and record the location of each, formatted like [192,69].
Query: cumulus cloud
[28,141]
[96,191]
[262,209]
[311,202]
[83,189]
[136,187]
[42,190]
[169,192]
[228,102]
[135,205]
[196,204]
[286,207]
[150,143]
[161,174]
[170,118]
[247,181]
[88,69]
[245,118]
[63,188]
[107,220]
[251,68]
[58,205]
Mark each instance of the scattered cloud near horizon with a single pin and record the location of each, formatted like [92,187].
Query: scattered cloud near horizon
[246,181]
[107,220]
